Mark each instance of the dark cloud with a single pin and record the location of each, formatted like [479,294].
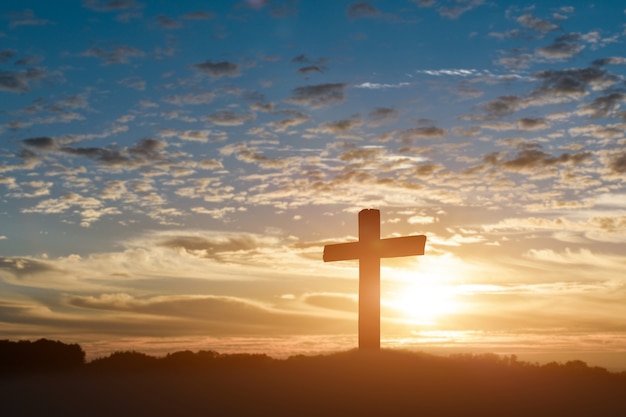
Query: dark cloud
[199,15]
[361,154]
[407,136]
[111,6]
[26,18]
[617,164]
[212,313]
[281,10]
[211,248]
[530,158]
[563,47]
[147,149]
[294,118]
[320,95]
[19,81]
[218,69]
[534,23]
[230,118]
[43,143]
[300,59]
[118,55]
[310,68]
[573,82]
[342,126]
[190,98]
[604,106]
[6,54]
[528,123]
[168,23]
[382,115]
[424,3]
[361,10]
[252,155]
[144,151]
[456,11]
[502,106]
[136,83]
[22,267]
[205,307]
[610,61]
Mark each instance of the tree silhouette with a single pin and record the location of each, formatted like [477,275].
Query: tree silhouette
[40,355]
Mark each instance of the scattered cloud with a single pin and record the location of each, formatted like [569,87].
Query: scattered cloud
[218,69]
[27,18]
[230,118]
[540,25]
[20,81]
[320,95]
[379,86]
[362,10]
[118,55]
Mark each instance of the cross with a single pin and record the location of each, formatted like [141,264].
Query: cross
[368,250]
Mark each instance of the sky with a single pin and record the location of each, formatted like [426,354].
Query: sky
[171,171]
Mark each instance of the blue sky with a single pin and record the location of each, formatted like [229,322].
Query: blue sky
[170,173]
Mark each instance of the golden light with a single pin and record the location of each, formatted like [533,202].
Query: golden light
[419,298]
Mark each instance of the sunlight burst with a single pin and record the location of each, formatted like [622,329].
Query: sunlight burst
[419,299]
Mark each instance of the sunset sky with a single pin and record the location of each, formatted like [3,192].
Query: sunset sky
[170,173]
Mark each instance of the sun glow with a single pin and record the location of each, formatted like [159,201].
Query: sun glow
[420,299]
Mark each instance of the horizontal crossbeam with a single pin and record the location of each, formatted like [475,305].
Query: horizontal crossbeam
[382,248]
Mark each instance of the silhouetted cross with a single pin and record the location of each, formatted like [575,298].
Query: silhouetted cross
[368,250]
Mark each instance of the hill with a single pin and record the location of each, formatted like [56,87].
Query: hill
[388,383]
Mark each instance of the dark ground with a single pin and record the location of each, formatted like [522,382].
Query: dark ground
[354,383]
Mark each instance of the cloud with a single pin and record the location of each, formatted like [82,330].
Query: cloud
[610,61]
[309,69]
[190,98]
[203,135]
[320,95]
[530,157]
[218,69]
[362,10]
[90,208]
[168,23]
[136,83]
[564,47]
[340,126]
[540,25]
[111,5]
[27,18]
[408,135]
[603,106]
[198,15]
[118,55]
[379,86]
[251,155]
[617,163]
[143,152]
[43,143]
[573,82]
[382,115]
[294,118]
[19,81]
[456,11]
[528,123]
[25,267]
[230,118]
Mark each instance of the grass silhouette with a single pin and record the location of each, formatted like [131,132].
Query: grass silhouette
[352,383]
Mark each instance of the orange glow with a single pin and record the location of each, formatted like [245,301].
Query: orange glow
[420,299]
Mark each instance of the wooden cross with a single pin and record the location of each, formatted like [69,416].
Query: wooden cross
[368,250]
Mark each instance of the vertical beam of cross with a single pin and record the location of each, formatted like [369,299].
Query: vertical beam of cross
[369,280]
[368,250]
